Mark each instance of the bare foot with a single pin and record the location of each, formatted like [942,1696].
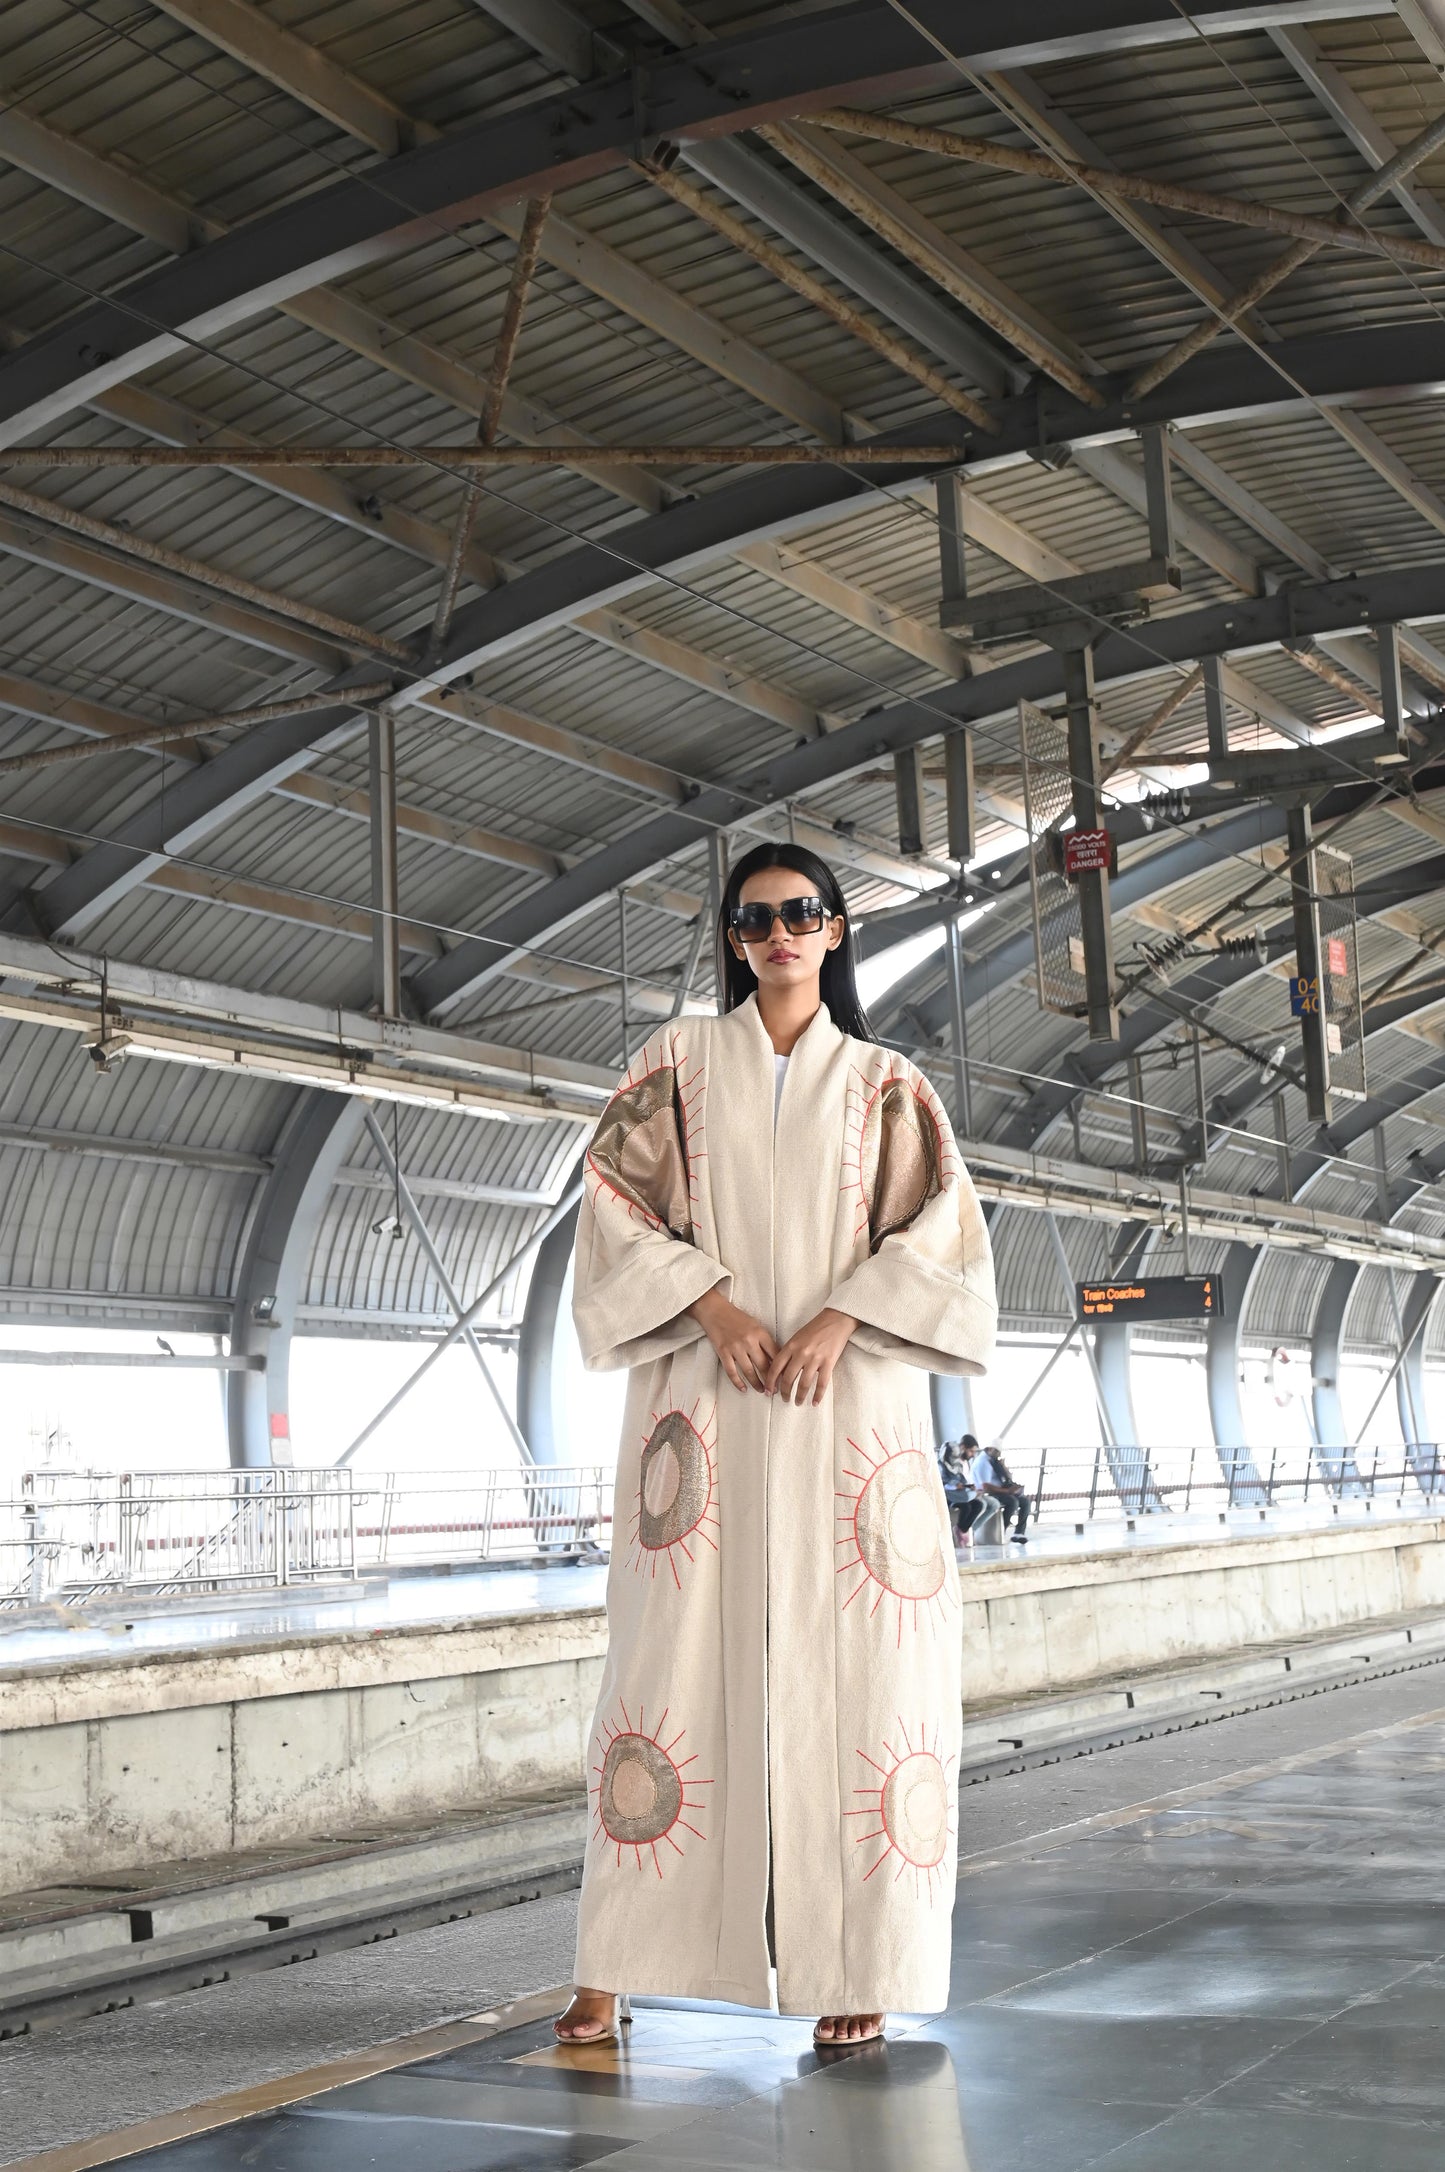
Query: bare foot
[591,2016]
[848,2028]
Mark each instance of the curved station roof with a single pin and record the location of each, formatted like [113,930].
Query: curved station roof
[721,290]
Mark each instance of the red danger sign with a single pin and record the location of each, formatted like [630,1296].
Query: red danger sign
[1337,962]
[1086,851]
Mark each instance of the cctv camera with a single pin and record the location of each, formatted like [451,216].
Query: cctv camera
[108,1051]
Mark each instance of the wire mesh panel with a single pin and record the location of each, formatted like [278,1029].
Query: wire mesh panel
[1340,972]
[1058,923]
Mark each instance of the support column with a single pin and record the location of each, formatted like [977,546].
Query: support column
[1211,669]
[385,926]
[1092,883]
[1420,1452]
[1107,1356]
[951,1399]
[318,1138]
[1221,1371]
[542,1351]
[911,806]
[1332,1452]
[960,797]
[1299,831]
[958,1025]
[1392,699]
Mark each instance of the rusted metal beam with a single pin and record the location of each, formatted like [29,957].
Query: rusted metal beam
[1379,185]
[524,264]
[250,455]
[351,636]
[902,232]
[812,289]
[1139,738]
[164,735]
[1325,233]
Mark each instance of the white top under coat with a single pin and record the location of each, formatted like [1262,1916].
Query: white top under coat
[780,1072]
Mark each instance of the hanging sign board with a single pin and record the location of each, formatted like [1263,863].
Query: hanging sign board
[1337,957]
[1156,1297]
[1086,851]
[1304,995]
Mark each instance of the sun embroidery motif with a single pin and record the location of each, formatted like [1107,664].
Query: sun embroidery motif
[897,1153]
[648,1142]
[909,1809]
[641,1790]
[675,1510]
[891,1529]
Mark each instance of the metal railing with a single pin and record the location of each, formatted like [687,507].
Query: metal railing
[77,1535]
[1079,1483]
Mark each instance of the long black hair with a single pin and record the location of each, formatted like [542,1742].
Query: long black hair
[837,986]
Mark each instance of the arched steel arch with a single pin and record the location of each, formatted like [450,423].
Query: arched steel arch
[1242,1262]
[542,1342]
[1120,656]
[316,1140]
[697,532]
[381,210]
[867,51]
[1327,1335]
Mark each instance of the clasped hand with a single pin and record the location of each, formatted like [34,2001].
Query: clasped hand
[799,1370]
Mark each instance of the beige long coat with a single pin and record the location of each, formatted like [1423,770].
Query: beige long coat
[783,1680]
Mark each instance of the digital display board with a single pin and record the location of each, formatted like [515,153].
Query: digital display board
[1152,1297]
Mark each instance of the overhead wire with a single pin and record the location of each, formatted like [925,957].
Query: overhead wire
[612,543]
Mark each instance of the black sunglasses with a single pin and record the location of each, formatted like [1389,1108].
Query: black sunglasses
[799,915]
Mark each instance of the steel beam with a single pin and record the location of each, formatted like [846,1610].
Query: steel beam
[1349,110]
[385,872]
[1416,592]
[1093,883]
[543,1348]
[537,149]
[1221,1372]
[1421,1449]
[1079,1071]
[316,1140]
[553,31]
[190,809]
[858,607]
[302,70]
[827,241]
[1119,475]
[418,1224]
[1304,906]
[1333,1452]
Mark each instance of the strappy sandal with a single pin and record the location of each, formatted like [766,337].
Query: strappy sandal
[621,2019]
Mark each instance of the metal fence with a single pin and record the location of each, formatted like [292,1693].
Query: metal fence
[77,1535]
[1079,1483]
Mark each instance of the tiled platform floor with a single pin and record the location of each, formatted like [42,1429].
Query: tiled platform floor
[1248,1972]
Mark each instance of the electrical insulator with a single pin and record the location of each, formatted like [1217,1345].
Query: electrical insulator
[1167,951]
[1171,806]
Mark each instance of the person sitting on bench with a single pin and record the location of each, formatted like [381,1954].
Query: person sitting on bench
[965,1505]
[991,1478]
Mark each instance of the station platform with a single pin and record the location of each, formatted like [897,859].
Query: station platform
[1221,1950]
[295,1721]
[108,1629]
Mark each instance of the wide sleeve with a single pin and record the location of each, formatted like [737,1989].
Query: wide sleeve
[638,1262]
[925,1294]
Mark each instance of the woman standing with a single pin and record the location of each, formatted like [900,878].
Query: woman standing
[779,1241]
